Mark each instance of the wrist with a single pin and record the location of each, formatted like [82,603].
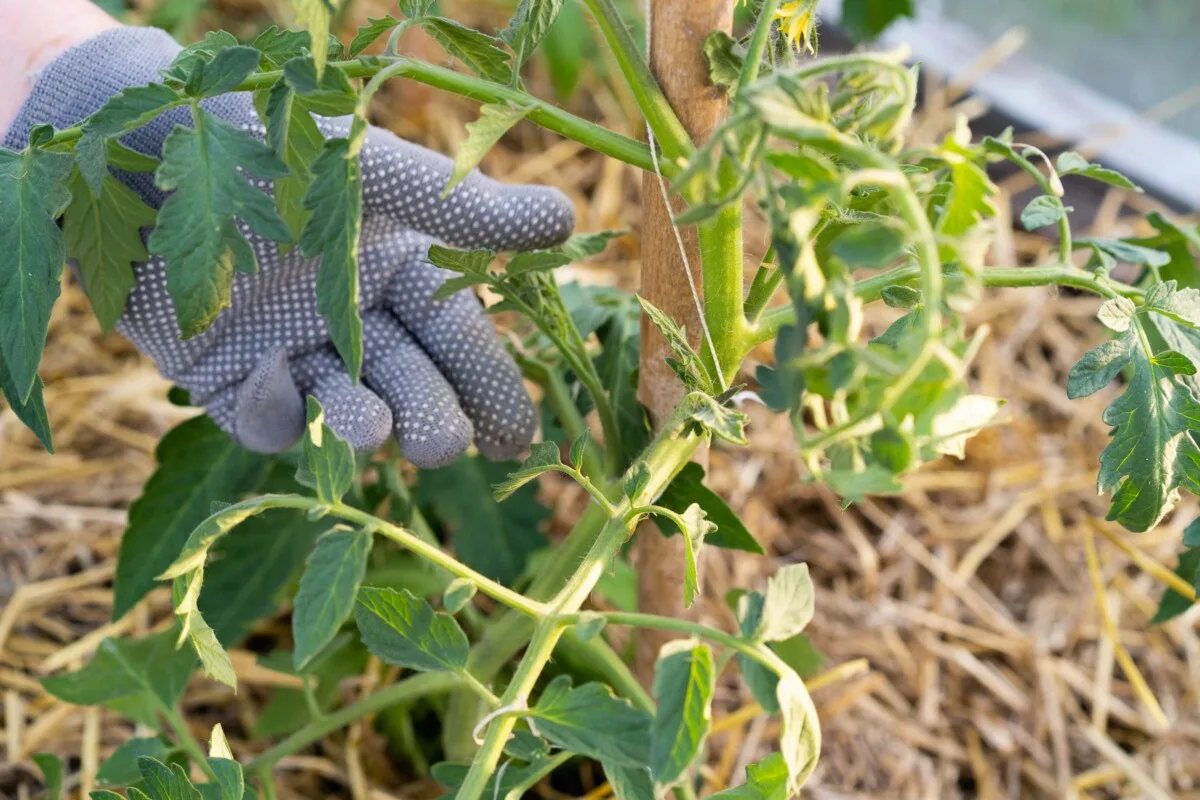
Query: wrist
[31,38]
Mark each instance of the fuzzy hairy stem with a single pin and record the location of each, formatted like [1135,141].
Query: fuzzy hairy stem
[547,115]
[869,289]
[659,114]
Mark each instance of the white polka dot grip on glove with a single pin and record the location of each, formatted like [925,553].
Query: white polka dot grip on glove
[434,373]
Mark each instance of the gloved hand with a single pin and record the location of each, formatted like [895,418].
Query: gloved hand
[434,372]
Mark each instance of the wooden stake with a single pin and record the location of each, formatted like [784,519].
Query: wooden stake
[677,32]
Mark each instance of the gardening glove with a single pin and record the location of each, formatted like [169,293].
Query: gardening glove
[434,372]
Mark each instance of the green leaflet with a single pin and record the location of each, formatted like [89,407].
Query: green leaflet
[295,138]
[328,466]
[328,587]
[1043,210]
[725,59]
[687,488]
[1071,163]
[277,46]
[800,739]
[1173,604]
[543,457]
[103,237]
[686,363]
[314,16]
[197,232]
[458,594]
[185,595]
[695,529]
[336,190]
[151,668]
[120,768]
[403,630]
[683,687]
[166,782]
[972,192]
[591,721]
[529,26]
[250,569]
[33,193]
[370,32]
[477,50]
[872,245]
[52,774]
[1152,453]
[629,783]
[789,603]
[493,538]
[32,412]
[198,464]
[126,110]
[766,780]
[230,784]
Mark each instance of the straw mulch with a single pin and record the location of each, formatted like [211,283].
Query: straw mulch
[970,651]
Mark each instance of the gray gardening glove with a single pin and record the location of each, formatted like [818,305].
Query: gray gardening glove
[434,373]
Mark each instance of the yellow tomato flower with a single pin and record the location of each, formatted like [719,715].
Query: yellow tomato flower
[798,23]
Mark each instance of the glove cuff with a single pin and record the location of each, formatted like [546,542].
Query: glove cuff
[77,83]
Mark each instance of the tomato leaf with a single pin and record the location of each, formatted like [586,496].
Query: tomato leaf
[695,528]
[529,26]
[166,782]
[336,190]
[765,780]
[314,16]
[149,668]
[683,687]
[687,488]
[103,237]
[543,458]
[370,32]
[328,465]
[403,630]
[198,464]
[295,138]
[591,721]
[197,232]
[330,582]
[32,412]
[477,50]
[789,603]
[33,193]
[800,739]
[1043,210]
[126,110]
[250,569]
[52,774]
[120,768]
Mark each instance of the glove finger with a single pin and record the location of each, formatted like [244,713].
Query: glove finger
[460,340]
[269,411]
[428,422]
[352,410]
[404,182]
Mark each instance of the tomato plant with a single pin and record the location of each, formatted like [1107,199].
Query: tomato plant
[857,215]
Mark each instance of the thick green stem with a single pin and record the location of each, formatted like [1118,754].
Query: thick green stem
[721,256]
[758,44]
[660,116]
[869,289]
[669,452]
[404,691]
